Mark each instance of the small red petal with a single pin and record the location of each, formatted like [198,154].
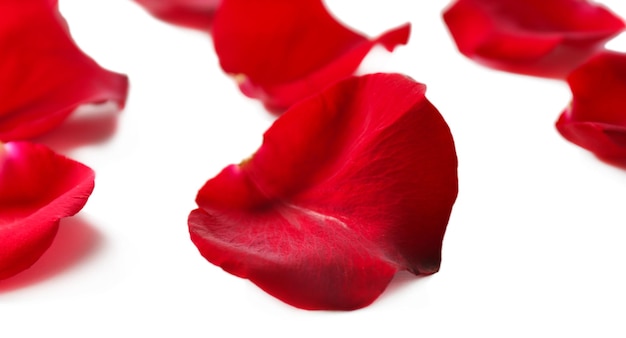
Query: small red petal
[44,77]
[596,117]
[37,189]
[349,187]
[283,51]
[197,14]
[534,37]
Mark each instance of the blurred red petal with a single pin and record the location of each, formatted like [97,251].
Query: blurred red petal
[196,14]
[534,37]
[349,187]
[37,189]
[43,75]
[283,51]
[596,117]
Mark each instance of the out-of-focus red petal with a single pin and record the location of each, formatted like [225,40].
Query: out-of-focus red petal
[196,14]
[596,117]
[37,188]
[43,74]
[349,187]
[534,37]
[282,51]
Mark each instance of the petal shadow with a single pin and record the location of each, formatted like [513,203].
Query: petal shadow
[89,124]
[75,242]
[619,163]
[401,280]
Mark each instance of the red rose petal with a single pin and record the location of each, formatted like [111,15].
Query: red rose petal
[349,187]
[196,14]
[596,117]
[43,74]
[283,51]
[535,37]
[37,189]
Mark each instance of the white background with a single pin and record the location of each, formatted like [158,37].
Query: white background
[534,248]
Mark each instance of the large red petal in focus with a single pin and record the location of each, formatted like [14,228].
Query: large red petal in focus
[349,187]
[196,14]
[596,117]
[43,75]
[534,37]
[37,189]
[282,51]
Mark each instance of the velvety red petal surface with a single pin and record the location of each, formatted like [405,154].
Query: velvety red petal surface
[43,74]
[535,37]
[596,117]
[282,51]
[37,188]
[349,187]
[196,14]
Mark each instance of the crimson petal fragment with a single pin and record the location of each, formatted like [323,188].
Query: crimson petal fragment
[534,37]
[282,51]
[37,188]
[44,76]
[349,187]
[596,117]
[197,14]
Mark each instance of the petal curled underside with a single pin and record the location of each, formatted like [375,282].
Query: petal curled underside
[282,51]
[37,189]
[197,14]
[534,37]
[44,76]
[349,187]
[596,117]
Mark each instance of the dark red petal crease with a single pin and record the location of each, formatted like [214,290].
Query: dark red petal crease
[534,37]
[197,14]
[37,188]
[282,51]
[596,117]
[44,76]
[349,187]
